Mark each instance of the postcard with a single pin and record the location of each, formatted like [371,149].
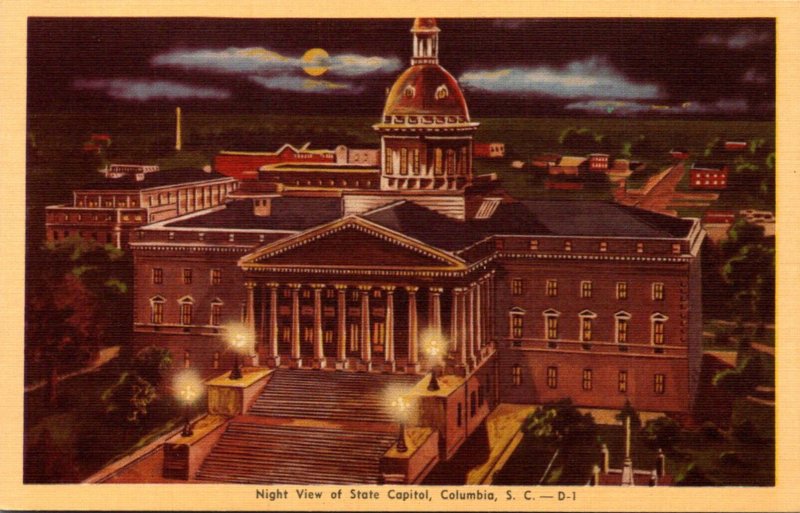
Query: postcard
[351,258]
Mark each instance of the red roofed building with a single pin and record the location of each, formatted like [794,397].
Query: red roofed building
[236,163]
[706,176]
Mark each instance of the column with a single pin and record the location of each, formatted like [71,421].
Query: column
[469,312]
[388,350]
[462,328]
[455,324]
[273,358]
[341,326]
[413,331]
[366,339]
[295,361]
[262,319]
[250,320]
[435,312]
[319,349]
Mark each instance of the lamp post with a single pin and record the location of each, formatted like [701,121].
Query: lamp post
[434,349]
[238,341]
[402,409]
[188,387]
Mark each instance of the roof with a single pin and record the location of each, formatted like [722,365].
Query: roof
[540,217]
[605,219]
[287,213]
[425,79]
[320,167]
[154,179]
[708,165]
[570,161]
[424,25]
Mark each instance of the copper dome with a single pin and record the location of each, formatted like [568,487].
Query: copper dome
[426,90]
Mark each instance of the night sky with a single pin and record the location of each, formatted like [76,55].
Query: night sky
[562,67]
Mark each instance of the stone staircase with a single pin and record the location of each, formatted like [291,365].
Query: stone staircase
[264,454]
[328,395]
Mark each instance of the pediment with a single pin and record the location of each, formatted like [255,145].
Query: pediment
[351,243]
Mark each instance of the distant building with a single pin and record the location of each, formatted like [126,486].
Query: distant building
[545,160]
[679,154]
[735,145]
[706,176]
[598,162]
[131,196]
[494,150]
[762,218]
[717,224]
[321,176]
[567,165]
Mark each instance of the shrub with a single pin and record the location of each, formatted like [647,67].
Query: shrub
[662,432]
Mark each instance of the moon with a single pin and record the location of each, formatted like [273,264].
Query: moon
[316,58]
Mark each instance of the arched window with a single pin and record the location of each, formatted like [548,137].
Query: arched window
[157,310]
[621,320]
[187,310]
[441,92]
[409,91]
[437,161]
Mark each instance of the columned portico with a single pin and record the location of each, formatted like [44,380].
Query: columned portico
[295,361]
[341,326]
[413,331]
[389,359]
[273,355]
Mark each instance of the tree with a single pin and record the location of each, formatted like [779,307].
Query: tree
[751,274]
[129,397]
[152,364]
[73,301]
[662,433]
[742,380]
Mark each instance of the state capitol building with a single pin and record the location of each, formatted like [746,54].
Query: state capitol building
[347,289]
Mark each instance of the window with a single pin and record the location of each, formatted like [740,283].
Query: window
[551,324]
[158,275]
[231,237]
[567,245]
[517,315]
[354,337]
[586,289]
[640,247]
[516,374]
[376,293]
[157,310]
[287,293]
[441,92]
[622,290]
[327,336]
[586,329]
[187,276]
[552,377]
[586,382]
[658,291]
[186,312]
[437,161]
[659,383]
[450,162]
[186,360]
[676,249]
[216,313]
[459,414]
[622,381]
[621,320]
[658,321]
[379,333]
[552,288]
[215,360]
[286,334]
[603,247]
[388,161]
[216,276]
[415,162]
[516,287]
[534,245]
[403,161]
[409,91]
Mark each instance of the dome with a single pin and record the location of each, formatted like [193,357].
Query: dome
[426,90]
[424,25]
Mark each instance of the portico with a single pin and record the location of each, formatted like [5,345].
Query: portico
[360,314]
